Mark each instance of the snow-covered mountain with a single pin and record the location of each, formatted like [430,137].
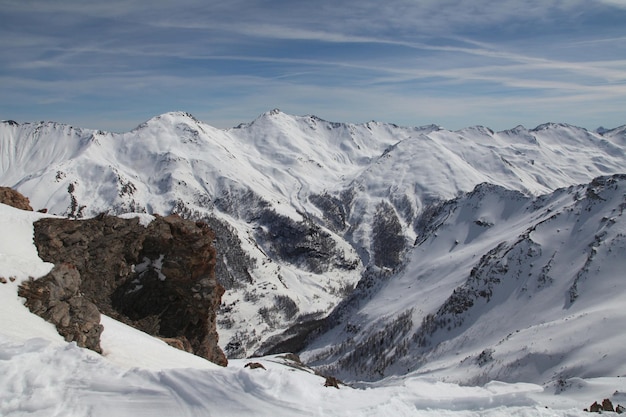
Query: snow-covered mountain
[502,286]
[307,210]
[42,375]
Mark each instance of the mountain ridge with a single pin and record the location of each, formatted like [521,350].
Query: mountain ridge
[308,209]
[529,251]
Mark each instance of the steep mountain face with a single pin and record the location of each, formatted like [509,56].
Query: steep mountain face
[305,210]
[501,286]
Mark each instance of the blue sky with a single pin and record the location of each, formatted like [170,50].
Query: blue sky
[112,65]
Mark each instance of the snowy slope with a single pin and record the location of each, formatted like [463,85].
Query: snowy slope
[41,375]
[304,208]
[174,159]
[501,286]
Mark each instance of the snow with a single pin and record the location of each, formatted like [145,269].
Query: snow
[553,266]
[19,261]
[175,163]
[540,349]
[138,375]
[151,264]
[41,375]
[129,348]
[144,219]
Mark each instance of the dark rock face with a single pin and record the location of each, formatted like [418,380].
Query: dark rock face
[388,238]
[159,279]
[12,198]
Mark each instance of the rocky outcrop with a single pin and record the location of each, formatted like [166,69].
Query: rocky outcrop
[10,197]
[57,298]
[158,278]
[254,365]
[331,381]
[606,405]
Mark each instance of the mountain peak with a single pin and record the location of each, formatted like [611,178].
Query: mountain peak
[176,115]
[268,115]
[552,125]
[182,114]
[169,118]
[482,130]
[620,130]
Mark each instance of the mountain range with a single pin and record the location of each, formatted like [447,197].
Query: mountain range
[374,250]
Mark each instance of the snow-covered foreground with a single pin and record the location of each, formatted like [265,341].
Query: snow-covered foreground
[42,378]
[42,375]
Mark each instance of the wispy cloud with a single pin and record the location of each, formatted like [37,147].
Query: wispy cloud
[402,60]
[616,3]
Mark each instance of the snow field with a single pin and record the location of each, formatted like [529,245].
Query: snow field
[41,375]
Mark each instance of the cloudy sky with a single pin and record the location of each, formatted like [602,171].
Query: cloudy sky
[113,64]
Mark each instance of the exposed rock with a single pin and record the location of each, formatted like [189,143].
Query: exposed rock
[293,358]
[179,343]
[56,297]
[158,278]
[388,238]
[331,381]
[254,365]
[485,357]
[595,407]
[12,198]
[607,405]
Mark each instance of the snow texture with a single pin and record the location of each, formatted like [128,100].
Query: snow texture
[41,375]
[477,256]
